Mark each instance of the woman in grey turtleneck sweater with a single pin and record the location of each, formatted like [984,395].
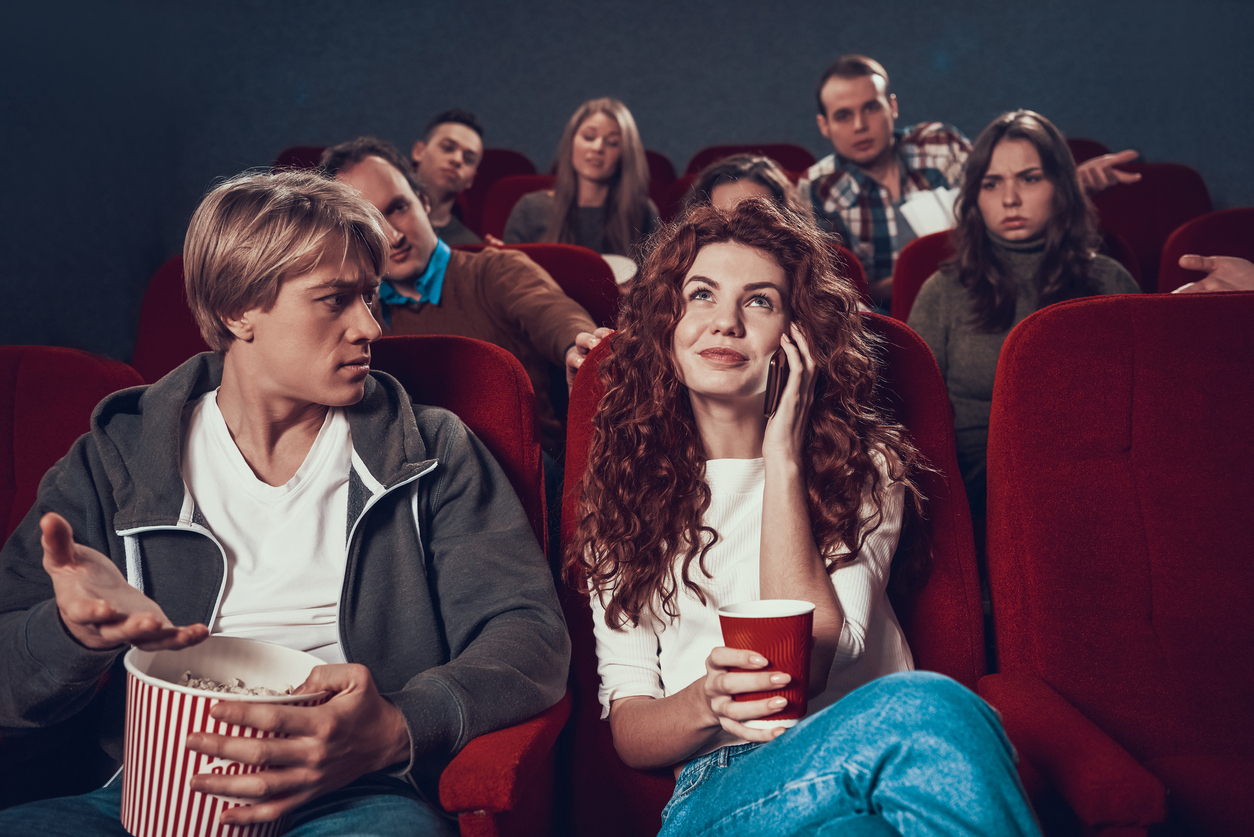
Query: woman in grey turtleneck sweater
[1025,239]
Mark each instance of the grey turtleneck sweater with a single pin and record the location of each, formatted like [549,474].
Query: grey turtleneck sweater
[942,315]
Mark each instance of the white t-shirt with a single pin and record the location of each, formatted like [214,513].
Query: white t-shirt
[284,544]
[659,658]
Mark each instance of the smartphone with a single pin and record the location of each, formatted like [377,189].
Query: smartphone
[776,377]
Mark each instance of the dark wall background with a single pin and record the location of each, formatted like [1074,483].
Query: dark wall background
[115,117]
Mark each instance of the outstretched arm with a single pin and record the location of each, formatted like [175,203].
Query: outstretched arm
[1099,173]
[1223,273]
[96,605]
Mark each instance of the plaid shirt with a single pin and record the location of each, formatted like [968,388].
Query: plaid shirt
[855,205]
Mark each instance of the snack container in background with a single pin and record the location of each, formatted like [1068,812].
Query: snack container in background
[157,800]
[781,630]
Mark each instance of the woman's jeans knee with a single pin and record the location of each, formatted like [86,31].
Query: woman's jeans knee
[916,751]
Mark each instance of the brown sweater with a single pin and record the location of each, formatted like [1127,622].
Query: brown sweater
[503,297]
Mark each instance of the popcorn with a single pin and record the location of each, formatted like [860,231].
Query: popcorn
[234,686]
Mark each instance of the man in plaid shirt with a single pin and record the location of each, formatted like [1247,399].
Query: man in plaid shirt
[858,191]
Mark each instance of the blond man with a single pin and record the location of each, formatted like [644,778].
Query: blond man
[279,489]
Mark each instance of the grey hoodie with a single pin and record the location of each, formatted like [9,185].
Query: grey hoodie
[447,598]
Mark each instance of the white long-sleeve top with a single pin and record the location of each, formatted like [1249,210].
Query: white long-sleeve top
[659,657]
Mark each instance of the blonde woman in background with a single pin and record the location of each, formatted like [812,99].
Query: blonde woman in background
[601,197]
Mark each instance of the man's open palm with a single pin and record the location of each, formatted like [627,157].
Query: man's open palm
[97,606]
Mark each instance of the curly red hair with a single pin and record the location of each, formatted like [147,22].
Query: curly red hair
[644,496]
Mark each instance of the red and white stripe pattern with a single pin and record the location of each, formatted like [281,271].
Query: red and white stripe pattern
[157,800]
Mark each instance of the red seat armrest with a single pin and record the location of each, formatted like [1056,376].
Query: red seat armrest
[491,773]
[1101,782]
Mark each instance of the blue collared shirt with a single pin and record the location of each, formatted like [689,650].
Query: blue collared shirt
[428,286]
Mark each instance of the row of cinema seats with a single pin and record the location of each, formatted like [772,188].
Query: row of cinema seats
[168,335]
[1121,465]
[1224,232]
[1136,219]
[485,211]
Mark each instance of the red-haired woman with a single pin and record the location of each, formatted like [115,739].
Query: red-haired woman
[695,498]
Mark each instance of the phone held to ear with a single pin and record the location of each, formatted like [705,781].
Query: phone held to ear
[776,377]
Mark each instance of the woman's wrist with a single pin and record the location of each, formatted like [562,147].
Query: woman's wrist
[782,468]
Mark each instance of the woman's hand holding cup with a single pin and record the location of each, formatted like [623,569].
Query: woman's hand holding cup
[737,671]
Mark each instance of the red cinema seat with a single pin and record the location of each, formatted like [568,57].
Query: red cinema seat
[1227,232]
[1115,246]
[497,164]
[1085,149]
[581,273]
[1145,213]
[672,202]
[299,157]
[917,261]
[942,620]
[504,194]
[1120,470]
[168,334]
[792,158]
[47,395]
[661,175]
[500,783]
[853,269]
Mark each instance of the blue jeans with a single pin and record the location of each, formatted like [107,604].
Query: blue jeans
[911,753]
[373,806]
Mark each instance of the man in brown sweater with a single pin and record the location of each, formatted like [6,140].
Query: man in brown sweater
[499,296]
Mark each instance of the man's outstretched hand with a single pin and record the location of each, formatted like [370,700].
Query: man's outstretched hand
[1100,173]
[1223,273]
[98,607]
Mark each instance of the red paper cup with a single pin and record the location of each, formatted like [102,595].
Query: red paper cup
[780,630]
[157,800]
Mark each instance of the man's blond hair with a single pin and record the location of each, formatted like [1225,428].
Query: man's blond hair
[255,230]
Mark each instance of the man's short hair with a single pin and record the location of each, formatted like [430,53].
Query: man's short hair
[337,158]
[457,115]
[850,67]
[252,232]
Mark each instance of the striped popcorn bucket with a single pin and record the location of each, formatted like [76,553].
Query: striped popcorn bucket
[157,800]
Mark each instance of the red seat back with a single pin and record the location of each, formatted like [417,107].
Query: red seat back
[47,395]
[789,156]
[581,273]
[942,620]
[917,261]
[299,157]
[504,194]
[489,391]
[1228,232]
[853,269]
[672,202]
[1145,213]
[1115,246]
[661,175]
[168,334]
[497,164]
[1085,149]
[1120,472]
